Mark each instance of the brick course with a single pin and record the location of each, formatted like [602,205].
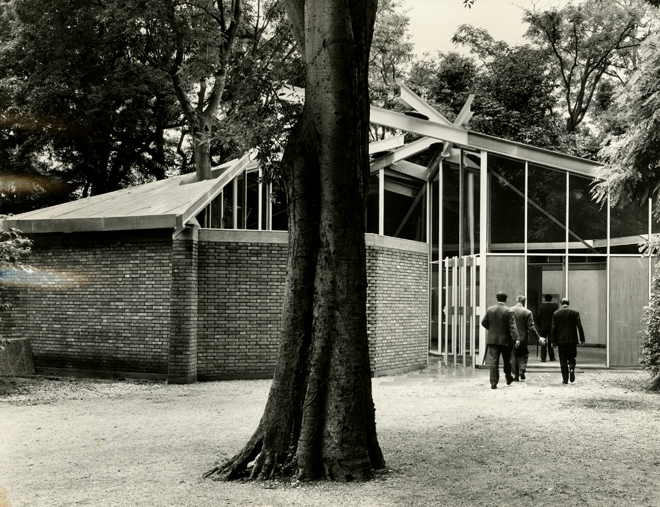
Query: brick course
[206,305]
[397,309]
[95,302]
[241,290]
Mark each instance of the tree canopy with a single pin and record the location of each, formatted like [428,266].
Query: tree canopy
[588,42]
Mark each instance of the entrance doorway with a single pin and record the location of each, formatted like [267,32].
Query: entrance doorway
[581,279]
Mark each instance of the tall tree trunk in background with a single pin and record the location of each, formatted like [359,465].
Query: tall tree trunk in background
[319,420]
[200,118]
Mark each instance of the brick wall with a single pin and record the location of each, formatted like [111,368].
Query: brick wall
[205,305]
[241,281]
[397,304]
[182,352]
[97,301]
[241,289]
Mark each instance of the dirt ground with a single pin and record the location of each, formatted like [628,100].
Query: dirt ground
[448,439]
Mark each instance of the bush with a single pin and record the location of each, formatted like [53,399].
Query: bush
[651,334]
[13,248]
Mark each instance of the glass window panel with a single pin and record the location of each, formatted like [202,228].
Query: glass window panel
[655,222]
[587,221]
[216,212]
[252,200]
[265,206]
[450,218]
[628,227]
[507,204]
[279,211]
[228,206]
[240,199]
[546,210]
[435,219]
[405,207]
[372,205]
[471,207]
[435,301]
[589,271]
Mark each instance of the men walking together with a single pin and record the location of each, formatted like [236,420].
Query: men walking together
[566,327]
[525,327]
[501,325]
[544,322]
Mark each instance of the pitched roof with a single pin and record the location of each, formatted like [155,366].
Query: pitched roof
[164,204]
[170,204]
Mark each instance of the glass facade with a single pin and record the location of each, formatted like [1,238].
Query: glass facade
[545,237]
[506,229]
[523,227]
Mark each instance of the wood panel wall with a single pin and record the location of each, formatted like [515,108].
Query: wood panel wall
[629,286]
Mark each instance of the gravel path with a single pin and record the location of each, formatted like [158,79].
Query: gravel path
[447,438]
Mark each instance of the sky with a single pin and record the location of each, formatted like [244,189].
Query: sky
[434,22]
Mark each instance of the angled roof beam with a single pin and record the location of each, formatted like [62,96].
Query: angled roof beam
[428,128]
[390,143]
[222,180]
[414,101]
[402,153]
[416,171]
[466,112]
[460,121]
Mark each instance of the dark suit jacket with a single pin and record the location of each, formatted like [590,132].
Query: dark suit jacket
[544,318]
[566,326]
[524,323]
[501,325]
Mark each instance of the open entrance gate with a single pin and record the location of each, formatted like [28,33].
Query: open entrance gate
[462,312]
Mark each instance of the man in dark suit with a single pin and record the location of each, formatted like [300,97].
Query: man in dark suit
[502,332]
[566,327]
[526,328]
[544,322]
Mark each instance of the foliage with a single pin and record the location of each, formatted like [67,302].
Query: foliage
[589,42]
[650,347]
[632,154]
[391,52]
[79,106]
[514,93]
[14,247]
[445,82]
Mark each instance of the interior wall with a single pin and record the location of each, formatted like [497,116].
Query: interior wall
[553,283]
[505,273]
[587,293]
[629,293]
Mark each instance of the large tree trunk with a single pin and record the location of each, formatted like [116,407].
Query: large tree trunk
[319,420]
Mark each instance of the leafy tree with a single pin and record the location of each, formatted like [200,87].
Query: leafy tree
[650,359]
[80,109]
[319,419]
[632,155]
[190,41]
[391,53]
[514,93]
[589,42]
[14,247]
[445,82]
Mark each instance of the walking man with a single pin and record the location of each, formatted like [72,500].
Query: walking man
[544,322]
[566,327]
[525,327]
[501,326]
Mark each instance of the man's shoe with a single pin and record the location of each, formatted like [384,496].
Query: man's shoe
[493,386]
[515,379]
[509,380]
[522,375]
[564,382]
[543,360]
[572,375]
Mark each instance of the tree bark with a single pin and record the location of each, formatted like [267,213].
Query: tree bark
[319,420]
